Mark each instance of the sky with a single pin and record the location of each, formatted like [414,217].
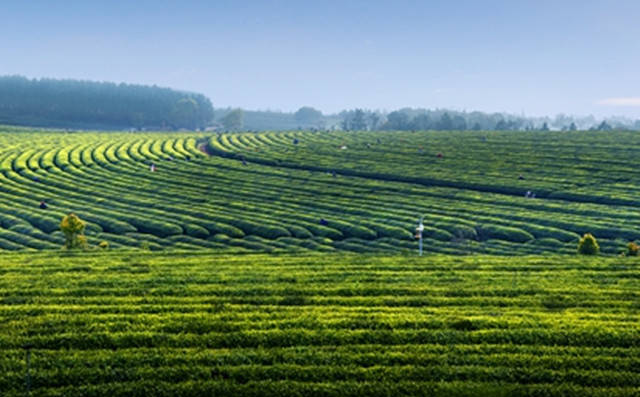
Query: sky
[532,57]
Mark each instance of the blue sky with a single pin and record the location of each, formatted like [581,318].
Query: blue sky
[538,57]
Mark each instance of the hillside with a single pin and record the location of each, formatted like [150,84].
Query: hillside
[125,324]
[301,191]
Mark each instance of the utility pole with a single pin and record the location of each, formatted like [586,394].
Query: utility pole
[419,230]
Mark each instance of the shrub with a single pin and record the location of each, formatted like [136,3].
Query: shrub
[463,325]
[632,249]
[299,231]
[506,233]
[196,231]
[103,245]
[588,245]
[73,229]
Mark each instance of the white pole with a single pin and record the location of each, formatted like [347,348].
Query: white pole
[419,229]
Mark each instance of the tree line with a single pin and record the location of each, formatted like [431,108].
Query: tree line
[441,119]
[306,117]
[87,104]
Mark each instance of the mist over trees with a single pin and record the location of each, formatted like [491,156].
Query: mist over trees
[234,120]
[86,104]
[410,119]
[97,105]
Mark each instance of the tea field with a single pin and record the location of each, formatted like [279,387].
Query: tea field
[498,193]
[284,264]
[133,323]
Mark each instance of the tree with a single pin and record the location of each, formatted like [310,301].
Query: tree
[308,116]
[573,127]
[445,123]
[374,121]
[588,245]
[397,121]
[234,120]
[185,113]
[604,126]
[545,127]
[73,229]
[459,123]
[354,121]
[358,122]
[421,122]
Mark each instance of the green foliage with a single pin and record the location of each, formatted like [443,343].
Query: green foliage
[72,103]
[73,229]
[588,245]
[364,198]
[196,231]
[234,120]
[504,233]
[103,245]
[633,249]
[106,323]
[307,116]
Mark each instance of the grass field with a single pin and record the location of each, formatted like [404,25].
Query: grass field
[323,191]
[196,324]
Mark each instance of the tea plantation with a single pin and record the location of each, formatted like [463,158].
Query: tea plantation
[498,193]
[285,264]
[201,324]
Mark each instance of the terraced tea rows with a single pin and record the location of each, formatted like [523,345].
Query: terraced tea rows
[319,325]
[301,191]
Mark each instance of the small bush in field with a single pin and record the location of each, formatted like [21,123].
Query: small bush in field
[73,229]
[588,245]
[632,249]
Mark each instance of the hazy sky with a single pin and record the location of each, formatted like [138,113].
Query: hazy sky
[538,57]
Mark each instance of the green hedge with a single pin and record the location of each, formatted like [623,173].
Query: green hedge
[486,232]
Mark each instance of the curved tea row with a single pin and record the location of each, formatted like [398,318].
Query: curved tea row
[300,191]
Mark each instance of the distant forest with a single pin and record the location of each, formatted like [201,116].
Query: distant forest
[85,104]
[408,119]
[78,104]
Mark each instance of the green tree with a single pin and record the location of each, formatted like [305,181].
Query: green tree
[185,113]
[358,122]
[459,123]
[445,123]
[421,122]
[397,121]
[73,229]
[234,120]
[573,127]
[604,126]
[308,116]
[588,245]
[374,121]
[501,125]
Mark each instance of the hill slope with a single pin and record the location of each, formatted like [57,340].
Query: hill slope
[323,191]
